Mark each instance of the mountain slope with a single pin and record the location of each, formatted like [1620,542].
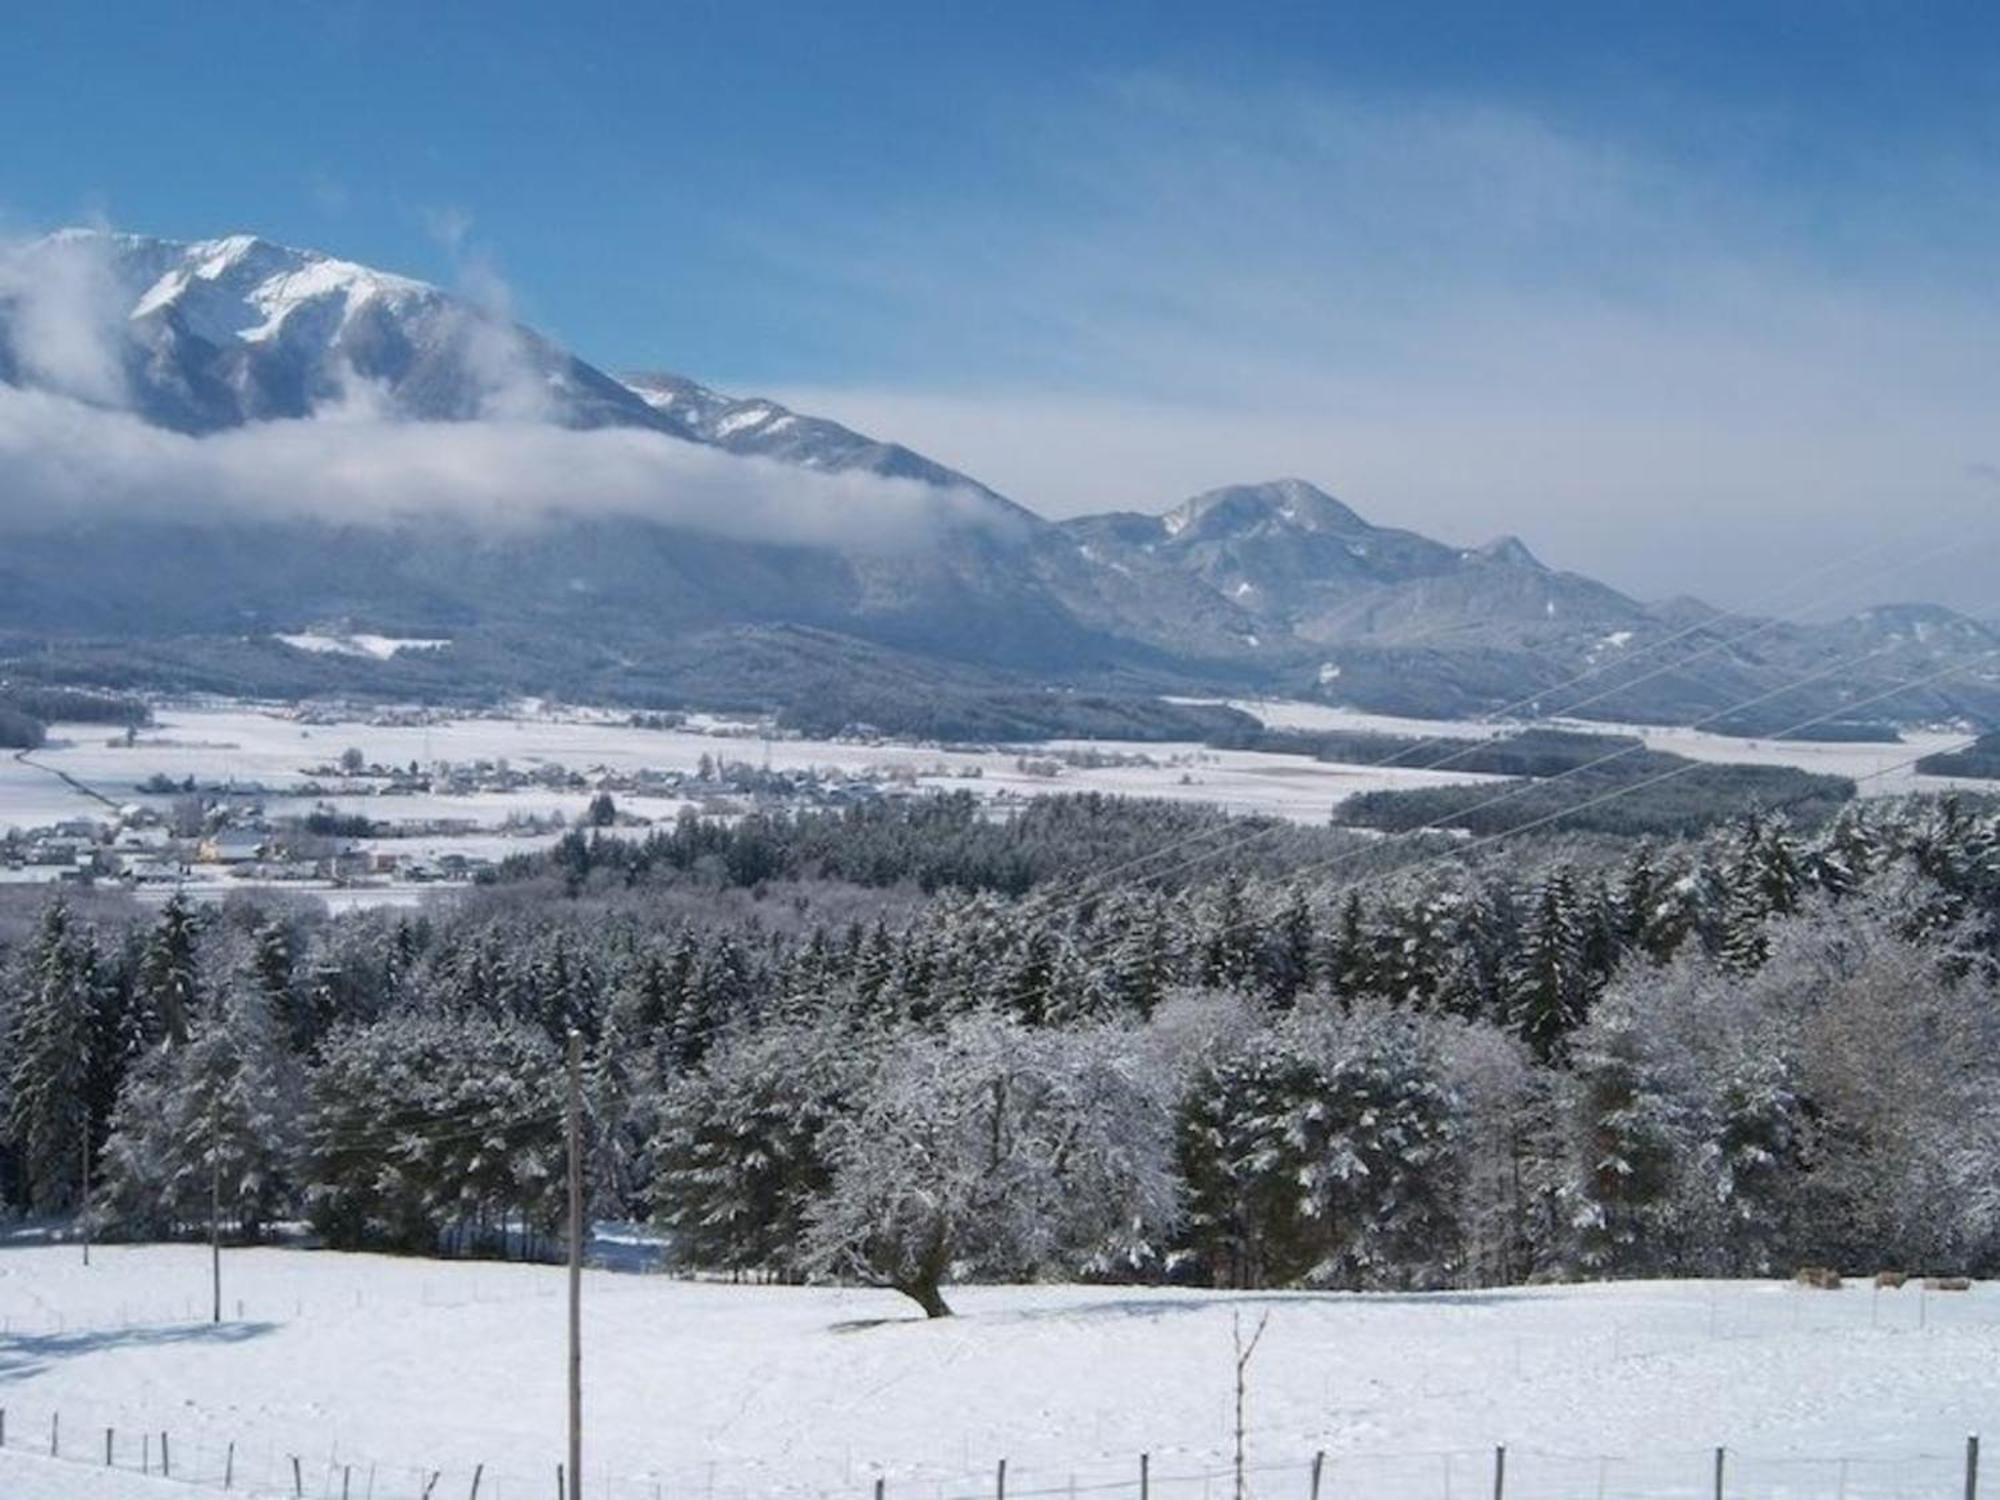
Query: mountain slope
[1272,587]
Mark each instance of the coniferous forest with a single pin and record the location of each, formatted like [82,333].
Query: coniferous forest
[913,1044]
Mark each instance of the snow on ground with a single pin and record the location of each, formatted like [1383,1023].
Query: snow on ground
[380,647]
[402,1368]
[270,747]
[1884,765]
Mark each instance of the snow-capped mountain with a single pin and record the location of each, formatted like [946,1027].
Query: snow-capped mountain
[1306,565]
[213,334]
[765,429]
[1272,587]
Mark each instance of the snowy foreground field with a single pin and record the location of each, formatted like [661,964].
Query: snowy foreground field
[380,1374]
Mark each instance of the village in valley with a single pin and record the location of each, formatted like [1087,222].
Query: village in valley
[358,825]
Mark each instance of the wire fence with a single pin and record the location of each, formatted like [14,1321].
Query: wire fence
[78,1435]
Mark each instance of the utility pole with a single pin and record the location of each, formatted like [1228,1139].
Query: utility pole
[215,1205]
[576,1262]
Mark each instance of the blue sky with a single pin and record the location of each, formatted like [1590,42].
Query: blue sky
[1656,286]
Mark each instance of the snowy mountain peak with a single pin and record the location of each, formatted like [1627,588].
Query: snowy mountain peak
[1511,550]
[211,334]
[245,287]
[1283,504]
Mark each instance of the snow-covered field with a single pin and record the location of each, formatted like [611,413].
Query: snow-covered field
[270,747]
[1884,766]
[391,1370]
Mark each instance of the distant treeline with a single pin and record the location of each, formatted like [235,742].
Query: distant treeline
[946,842]
[1646,794]
[1530,752]
[26,711]
[1980,759]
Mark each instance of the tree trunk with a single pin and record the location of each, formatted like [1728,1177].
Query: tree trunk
[925,1294]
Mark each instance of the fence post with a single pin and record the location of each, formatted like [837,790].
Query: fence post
[1145,1476]
[1000,1481]
[1972,1467]
[1721,1457]
[229,1467]
[1499,1471]
[477,1470]
[1319,1464]
[880,1485]
[55,1434]
[298,1478]
[166,1463]
[560,1491]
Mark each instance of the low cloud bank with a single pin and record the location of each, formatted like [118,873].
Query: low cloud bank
[63,460]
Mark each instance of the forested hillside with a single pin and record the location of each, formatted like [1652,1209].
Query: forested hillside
[1105,1039]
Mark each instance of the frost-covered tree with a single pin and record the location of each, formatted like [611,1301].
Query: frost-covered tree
[994,1149]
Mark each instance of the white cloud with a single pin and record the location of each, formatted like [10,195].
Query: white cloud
[1463,319]
[62,459]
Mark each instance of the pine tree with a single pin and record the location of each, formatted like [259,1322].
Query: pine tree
[50,1034]
[1550,992]
[1291,955]
[169,973]
[1637,1141]
[218,1116]
[1350,956]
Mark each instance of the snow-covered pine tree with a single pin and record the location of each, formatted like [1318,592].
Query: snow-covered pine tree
[51,1029]
[739,1158]
[1638,1136]
[169,988]
[1549,993]
[218,1115]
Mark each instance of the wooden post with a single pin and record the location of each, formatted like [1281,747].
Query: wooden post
[1721,1457]
[298,1479]
[477,1470]
[880,1485]
[1319,1465]
[55,1434]
[562,1491]
[1244,1354]
[576,1260]
[1000,1481]
[107,1447]
[1972,1467]
[229,1467]
[1145,1476]
[346,1479]
[166,1464]
[1500,1472]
